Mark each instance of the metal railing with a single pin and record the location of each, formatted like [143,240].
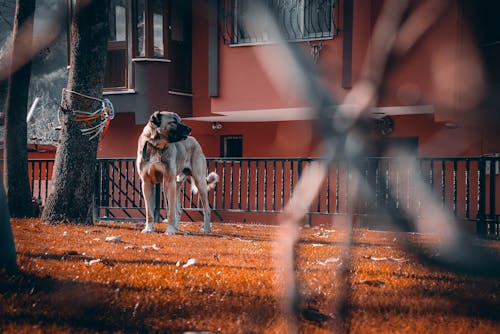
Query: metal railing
[299,20]
[465,186]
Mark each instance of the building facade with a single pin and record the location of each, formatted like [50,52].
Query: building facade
[237,90]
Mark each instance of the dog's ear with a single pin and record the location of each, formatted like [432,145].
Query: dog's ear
[181,132]
[186,131]
[178,118]
[156,118]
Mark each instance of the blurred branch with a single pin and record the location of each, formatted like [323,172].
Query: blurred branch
[420,22]
[27,51]
[392,36]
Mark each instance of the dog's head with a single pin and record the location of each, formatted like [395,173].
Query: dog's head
[169,126]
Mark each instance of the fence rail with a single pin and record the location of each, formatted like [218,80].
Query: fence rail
[466,186]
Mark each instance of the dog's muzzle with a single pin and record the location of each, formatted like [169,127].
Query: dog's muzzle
[181,132]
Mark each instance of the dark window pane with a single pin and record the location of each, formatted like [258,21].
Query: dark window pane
[116,67]
[118,21]
[232,146]
[141,28]
[158,28]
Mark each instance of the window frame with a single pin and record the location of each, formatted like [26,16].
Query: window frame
[130,44]
[149,30]
[122,45]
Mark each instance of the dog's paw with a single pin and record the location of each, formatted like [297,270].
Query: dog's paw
[170,230]
[207,230]
[147,230]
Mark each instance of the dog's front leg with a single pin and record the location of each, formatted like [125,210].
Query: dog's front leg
[147,190]
[170,187]
[178,204]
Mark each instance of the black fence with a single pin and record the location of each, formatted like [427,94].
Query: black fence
[465,186]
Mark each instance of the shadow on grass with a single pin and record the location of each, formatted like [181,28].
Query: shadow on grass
[28,300]
[80,306]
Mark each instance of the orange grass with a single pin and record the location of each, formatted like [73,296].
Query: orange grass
[233,287]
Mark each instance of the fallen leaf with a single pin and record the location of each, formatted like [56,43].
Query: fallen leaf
[375,282]
[91,262]
[114,238]
[190,262]
[329,260]
[315,315]
[152,247]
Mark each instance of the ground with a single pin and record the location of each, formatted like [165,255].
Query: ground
[111,278]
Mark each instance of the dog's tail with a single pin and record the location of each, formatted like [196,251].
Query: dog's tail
[212,179]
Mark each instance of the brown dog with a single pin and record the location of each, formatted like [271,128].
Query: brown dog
[167,154]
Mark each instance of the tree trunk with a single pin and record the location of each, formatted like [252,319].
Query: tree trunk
[71,200]
[16,110]
[8,256]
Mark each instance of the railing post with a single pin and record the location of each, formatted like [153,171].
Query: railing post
[97,191]
[493,173]
[481,214]
[105,180]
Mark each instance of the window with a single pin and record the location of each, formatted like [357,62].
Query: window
[231,146]
[147,22]
[117,60]
[150,28]
[300,20]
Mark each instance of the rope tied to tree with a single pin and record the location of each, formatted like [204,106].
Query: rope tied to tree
[96,122]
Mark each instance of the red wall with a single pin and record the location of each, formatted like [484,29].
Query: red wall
[121,139]
[264,139]
[299,139]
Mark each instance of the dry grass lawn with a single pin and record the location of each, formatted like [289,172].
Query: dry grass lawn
[74,281]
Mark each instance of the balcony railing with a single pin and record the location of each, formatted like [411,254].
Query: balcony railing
[299,20]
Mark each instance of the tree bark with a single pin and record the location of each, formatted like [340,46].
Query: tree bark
[8,256]
[71,200]
[16,109]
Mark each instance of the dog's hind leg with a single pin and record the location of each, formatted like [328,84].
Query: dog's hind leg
[147,190]
[207,228]
[203,194]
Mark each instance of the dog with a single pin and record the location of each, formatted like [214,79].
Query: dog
[166,153]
